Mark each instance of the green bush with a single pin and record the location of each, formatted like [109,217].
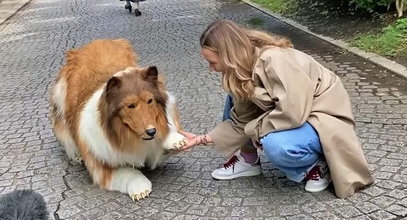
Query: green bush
[370,5]
[401,25]
[392,41]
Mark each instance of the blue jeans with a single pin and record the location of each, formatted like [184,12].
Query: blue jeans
[294,151]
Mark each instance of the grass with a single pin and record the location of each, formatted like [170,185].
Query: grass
[279,6]
[391,42]
[256,22]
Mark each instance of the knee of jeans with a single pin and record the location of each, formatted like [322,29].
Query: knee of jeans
[278,153]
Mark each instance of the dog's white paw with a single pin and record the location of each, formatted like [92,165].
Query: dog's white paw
[139,188]
[132,182]
[174,141]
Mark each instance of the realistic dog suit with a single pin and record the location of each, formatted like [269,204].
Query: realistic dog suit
[114,114]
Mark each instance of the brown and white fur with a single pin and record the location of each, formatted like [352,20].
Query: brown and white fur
[114,114]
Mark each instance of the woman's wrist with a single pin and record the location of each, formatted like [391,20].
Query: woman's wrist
[204,139]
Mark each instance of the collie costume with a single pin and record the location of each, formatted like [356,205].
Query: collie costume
[114,114]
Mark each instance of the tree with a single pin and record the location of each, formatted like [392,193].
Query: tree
[400,6]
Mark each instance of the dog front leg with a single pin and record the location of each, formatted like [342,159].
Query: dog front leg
[130,181]
[123,179]
[174,140]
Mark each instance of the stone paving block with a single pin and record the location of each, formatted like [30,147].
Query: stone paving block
[361,217]
[111,216]
[199,210]
[367,207]
[243,211]
[381,214]
[348,212]
[398,210]
[314,207]
[288,210]
[325,215]
[383,201]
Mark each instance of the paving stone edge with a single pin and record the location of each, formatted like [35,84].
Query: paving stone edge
[11,8]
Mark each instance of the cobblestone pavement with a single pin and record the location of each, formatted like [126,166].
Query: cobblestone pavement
[32,46]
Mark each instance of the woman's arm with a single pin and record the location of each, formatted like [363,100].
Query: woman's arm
[229,135]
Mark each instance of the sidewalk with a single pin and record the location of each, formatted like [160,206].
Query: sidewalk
[9,7]
[33,45]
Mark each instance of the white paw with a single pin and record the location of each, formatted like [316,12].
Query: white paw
[132,182]
[174,141]
[139,188]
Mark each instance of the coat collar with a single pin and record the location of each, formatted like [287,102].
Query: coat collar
[259,58]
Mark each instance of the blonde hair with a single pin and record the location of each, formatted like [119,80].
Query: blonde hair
[235,46]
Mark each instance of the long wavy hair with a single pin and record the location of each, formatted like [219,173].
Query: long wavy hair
[235,46]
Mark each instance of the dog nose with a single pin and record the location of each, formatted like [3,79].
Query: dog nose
[151,132]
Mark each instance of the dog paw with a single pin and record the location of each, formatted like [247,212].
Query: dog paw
[138,196]
[139,188]
[130,181]
[174,141]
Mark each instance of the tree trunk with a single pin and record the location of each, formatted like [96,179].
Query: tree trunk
[400,7]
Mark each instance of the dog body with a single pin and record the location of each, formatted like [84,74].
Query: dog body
[114,114]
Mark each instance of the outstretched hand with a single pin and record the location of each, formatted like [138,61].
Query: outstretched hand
[191,140]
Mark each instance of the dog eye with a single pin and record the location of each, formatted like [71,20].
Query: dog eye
[131,106]
[149,101]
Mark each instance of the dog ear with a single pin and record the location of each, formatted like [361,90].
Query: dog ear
[113,82]
[151,75]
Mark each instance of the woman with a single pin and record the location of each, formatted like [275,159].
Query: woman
[286,103]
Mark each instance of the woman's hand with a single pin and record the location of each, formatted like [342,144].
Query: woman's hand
[191,141]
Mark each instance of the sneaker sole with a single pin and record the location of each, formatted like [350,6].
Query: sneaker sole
[313,190]
[244,174]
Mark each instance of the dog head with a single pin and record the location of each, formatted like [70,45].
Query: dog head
[135,101]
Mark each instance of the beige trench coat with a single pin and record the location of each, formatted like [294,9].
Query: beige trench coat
[290,89]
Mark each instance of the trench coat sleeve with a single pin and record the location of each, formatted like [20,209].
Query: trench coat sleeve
[229,135]
[289,87]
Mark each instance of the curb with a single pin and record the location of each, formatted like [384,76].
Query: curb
[379,60]
[8,8]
